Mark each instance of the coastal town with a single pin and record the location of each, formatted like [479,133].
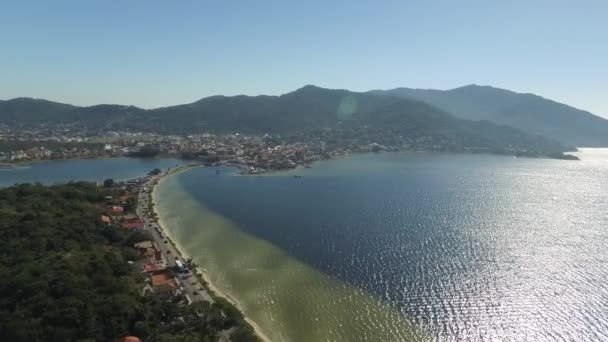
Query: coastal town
[251,153]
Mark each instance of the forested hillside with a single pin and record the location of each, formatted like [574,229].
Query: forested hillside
[65,276]
[528,112]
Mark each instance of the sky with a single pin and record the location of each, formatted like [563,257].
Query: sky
[159,53]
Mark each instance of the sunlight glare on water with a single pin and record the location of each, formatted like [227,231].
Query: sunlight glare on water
[469,247]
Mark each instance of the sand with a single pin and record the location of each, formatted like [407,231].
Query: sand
[258,331]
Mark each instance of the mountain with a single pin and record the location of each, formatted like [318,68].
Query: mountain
[528,112]
[353,116]
[307,108]
[31,112]
[25,110]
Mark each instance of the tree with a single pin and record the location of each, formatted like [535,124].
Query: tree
[130,204]
[155,172]
[147,151]
[65,275]
[108,183]
[141,329]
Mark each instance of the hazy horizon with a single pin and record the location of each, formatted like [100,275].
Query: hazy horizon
[155,54]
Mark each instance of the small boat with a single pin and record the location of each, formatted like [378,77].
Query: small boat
[297,176]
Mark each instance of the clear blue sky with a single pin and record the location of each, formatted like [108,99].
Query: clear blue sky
[157,53]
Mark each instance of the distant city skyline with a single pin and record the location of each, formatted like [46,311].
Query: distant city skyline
[153,54]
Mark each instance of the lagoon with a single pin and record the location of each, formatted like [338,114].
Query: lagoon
[405,246]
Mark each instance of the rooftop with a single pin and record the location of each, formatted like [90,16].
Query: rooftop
[144,244]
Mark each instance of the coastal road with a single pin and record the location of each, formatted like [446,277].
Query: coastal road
[168,250]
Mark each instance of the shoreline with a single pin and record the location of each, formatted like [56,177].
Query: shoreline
[204,274]
[565,155]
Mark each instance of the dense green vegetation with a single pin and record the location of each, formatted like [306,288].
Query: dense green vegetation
[65,276]
[147,151]
[528,112]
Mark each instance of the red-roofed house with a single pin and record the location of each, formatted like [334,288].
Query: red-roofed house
[152,267]
[133,225]
[164,284]
[117,209]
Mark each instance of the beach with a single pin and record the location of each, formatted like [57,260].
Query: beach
[290,300]
[215,290]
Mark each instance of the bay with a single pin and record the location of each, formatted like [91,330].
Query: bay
[395,247]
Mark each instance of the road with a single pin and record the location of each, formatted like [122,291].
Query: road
[169,252]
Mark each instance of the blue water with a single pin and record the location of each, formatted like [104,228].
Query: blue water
[470,247]
[58,171]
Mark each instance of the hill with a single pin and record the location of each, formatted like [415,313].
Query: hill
[392,120]
[68,276]
[29,112]
[528,112]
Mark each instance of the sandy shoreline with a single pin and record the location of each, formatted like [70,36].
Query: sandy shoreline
[216,290]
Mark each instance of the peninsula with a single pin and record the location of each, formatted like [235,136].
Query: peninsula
[90,256]
[198,288]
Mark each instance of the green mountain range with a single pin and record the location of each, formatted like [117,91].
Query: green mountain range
[398,113]
[528,112]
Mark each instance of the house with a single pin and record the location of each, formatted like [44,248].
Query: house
[164,284]
[106,219]
[154,267]
[133,225]
[129,339]
[146,248]
[129,218]
[117,209]
[147,244]
[158,256]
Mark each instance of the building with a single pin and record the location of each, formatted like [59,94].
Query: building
[106,220]
[129,218]
[133,225]
[163,284]
[129,339]
[117,209]
[146,248]
[153,267]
